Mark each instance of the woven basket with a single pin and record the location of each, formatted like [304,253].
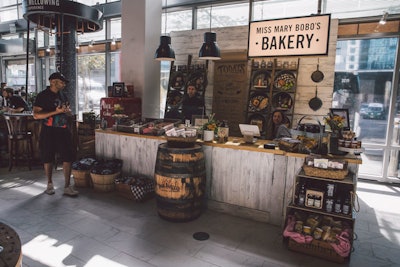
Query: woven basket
[325,173]
[82,178]
[104,182]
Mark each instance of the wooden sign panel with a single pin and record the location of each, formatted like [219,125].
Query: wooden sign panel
[230,93]
[289,37]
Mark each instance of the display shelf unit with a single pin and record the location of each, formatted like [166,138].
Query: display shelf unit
[180,77]
[342,188]
[272,86]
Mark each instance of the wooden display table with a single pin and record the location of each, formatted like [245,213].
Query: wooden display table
[242,179]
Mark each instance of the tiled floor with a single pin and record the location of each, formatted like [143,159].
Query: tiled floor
[103,229]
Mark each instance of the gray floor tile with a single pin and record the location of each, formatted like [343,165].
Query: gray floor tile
[104,229]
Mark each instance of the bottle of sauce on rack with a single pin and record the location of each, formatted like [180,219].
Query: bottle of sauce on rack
[338,205]
[346,205]
[329,197]
[302,195]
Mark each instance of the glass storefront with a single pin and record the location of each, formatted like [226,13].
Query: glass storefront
[364,75]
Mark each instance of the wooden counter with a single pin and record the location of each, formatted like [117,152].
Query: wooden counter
[242,179]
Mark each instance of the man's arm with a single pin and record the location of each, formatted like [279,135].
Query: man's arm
[39,114]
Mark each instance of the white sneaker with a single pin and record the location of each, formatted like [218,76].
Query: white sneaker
[50,189]
[69,191]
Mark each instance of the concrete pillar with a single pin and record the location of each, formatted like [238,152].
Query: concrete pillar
[141,30]
[66,59]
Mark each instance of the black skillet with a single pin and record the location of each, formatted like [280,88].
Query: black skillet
[315,103]
[317,76]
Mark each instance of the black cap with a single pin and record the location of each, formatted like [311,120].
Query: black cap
[57,75]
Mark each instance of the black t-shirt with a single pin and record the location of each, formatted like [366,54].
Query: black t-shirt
[49,101]
[16,101]
[192,106]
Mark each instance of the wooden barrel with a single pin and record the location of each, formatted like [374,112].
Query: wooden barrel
[82,178]
[9,240]
[104,182]
[180,176]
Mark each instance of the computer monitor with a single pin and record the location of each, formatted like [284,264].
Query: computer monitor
[245,129]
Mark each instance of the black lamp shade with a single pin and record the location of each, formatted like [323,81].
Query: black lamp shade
[210,50]
[165,52]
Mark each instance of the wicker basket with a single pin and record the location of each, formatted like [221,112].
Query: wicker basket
[82,178]
[104,182]
[325,173]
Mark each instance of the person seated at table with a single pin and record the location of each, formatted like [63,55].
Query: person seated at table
[14,103]
[2,88]
[279,125]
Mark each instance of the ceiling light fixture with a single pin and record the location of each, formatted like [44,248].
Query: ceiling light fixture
[165,52]
[48,49]
[113,42]
[384,18]
[210,50]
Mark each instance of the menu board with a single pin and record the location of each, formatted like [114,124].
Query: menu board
[230,93]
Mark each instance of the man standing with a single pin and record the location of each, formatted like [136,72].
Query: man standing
[52,107]
[192,103]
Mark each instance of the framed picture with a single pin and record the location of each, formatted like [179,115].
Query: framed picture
[118,89]
[344,113]
[199,120]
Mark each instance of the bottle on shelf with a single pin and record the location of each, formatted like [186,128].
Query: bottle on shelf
[310,200]
[329,204]
[346,205]
[338,205]
[329,197]
[302,195]
[317,202]
[330,189]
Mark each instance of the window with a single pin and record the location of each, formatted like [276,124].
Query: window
[265,10]
[96,36]
[16,74]
[8,14]
[177,21]
[115,31]
[366,89]
[91,82]
[223,16]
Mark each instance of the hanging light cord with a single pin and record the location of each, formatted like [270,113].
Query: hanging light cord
[210,16]
[166,3]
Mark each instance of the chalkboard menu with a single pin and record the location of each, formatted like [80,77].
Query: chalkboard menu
[230,93]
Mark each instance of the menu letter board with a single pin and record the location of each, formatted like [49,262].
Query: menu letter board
[230,93]
[289,37]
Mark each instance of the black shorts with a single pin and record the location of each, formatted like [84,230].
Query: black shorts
[56,140]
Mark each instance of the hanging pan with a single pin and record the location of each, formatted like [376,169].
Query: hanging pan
[315,103]
[317,76]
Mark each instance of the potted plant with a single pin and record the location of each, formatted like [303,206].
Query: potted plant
[336,124]
[210,128]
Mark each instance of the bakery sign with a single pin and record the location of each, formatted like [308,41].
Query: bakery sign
[289,37]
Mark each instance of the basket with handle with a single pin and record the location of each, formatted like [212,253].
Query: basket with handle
[318,136]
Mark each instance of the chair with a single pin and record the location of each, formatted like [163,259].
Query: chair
[19,138]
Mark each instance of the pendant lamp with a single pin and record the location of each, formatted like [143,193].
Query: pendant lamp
[210,50]
[165,52]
